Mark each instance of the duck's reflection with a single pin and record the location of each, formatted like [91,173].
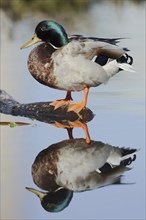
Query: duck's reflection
[75,166]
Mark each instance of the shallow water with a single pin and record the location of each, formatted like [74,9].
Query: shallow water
[119,108]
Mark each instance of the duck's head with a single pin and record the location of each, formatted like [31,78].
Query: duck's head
[54,201]
[50,32]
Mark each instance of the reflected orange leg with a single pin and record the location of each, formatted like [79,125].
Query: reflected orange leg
[69,131]
[59,125]
[59,103]
[75,124]
[85,128]
[67,127]
[79,124]
[78,106]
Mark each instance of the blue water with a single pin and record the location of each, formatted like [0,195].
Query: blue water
[119,108]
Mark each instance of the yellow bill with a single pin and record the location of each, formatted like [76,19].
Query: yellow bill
[32,41]
[37,192]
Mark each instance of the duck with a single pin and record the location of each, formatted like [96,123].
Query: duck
[71,166]
[74,62]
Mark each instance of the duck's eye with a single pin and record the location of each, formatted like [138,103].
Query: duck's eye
[44,28]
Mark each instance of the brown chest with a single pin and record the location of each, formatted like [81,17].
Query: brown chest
[41,66]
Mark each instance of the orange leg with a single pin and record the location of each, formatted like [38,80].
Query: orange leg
[69,128]
[69,131]
[59,103]
[79,124]
[75,124]
[78,106]
[68,96]
[85,128]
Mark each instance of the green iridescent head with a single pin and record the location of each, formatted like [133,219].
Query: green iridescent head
[54,201]
[50,32]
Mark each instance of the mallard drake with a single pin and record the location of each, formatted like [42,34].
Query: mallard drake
[74,63]
[74,166]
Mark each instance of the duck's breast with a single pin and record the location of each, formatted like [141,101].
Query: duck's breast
[41,66]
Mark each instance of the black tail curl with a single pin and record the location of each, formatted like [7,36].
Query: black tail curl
[125,59]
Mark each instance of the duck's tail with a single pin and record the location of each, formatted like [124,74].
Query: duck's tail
[121,156]
[125,62]
[117,163]
[122,63]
